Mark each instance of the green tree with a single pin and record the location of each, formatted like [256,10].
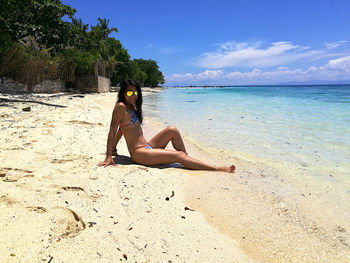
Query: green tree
[40,19]
[136,73]
[79,38]
[121,71]
[101,31]
[116,58]
[126,70]
[103,26]
[34,37]
[150,67]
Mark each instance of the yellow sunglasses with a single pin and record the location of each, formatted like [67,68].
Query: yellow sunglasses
[130,92]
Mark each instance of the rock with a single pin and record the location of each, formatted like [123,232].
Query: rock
[91,224]
[26,109]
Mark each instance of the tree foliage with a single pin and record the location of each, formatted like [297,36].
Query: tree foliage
[59,38]
[40,19]
[150,67]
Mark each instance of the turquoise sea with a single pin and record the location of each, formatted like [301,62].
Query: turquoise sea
[289,143]
[307,126]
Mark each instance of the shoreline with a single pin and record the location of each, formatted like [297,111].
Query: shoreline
[236,217]
[56,204]
[288,207]
[251,207]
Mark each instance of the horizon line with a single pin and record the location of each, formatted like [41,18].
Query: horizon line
[258,85]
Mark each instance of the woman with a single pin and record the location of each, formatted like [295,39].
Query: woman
[127,115]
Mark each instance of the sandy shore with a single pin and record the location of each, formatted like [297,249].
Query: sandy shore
[58,206]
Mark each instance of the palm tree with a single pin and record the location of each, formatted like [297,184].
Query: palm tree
[79,38]
[104,28]
[78,23]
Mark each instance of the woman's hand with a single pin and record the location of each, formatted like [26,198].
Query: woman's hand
[107,161]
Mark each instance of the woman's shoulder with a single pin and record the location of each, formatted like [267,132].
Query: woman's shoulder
[120,105]
[119,108]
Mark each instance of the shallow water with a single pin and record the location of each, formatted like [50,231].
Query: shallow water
[292,148]
[301,134]
[308,126]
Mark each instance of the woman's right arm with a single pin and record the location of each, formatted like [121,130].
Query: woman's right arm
[117,116]
[116,139]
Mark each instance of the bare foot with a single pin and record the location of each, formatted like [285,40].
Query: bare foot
[229,169]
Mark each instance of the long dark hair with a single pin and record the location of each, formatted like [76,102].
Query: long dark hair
[121,96]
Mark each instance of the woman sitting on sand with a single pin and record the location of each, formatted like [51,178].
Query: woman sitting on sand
[127,115]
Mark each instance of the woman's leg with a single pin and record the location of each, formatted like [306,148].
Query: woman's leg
[163,156]
[162,139]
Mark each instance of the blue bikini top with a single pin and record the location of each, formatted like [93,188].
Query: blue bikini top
[134,119]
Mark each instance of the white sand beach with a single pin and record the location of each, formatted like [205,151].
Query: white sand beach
[56,205]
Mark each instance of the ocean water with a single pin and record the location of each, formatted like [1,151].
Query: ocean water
[307,126]
[291,145]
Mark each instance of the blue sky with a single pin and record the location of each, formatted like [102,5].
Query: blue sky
[225,42]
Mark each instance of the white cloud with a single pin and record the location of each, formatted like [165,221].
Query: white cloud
[211,74]
[208,75]
[233,45]
[232,54]
[340,64]
[334,70]
[149,46]
[334,45]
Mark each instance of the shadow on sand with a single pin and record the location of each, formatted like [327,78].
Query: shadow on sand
[126,160]
[3,102]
